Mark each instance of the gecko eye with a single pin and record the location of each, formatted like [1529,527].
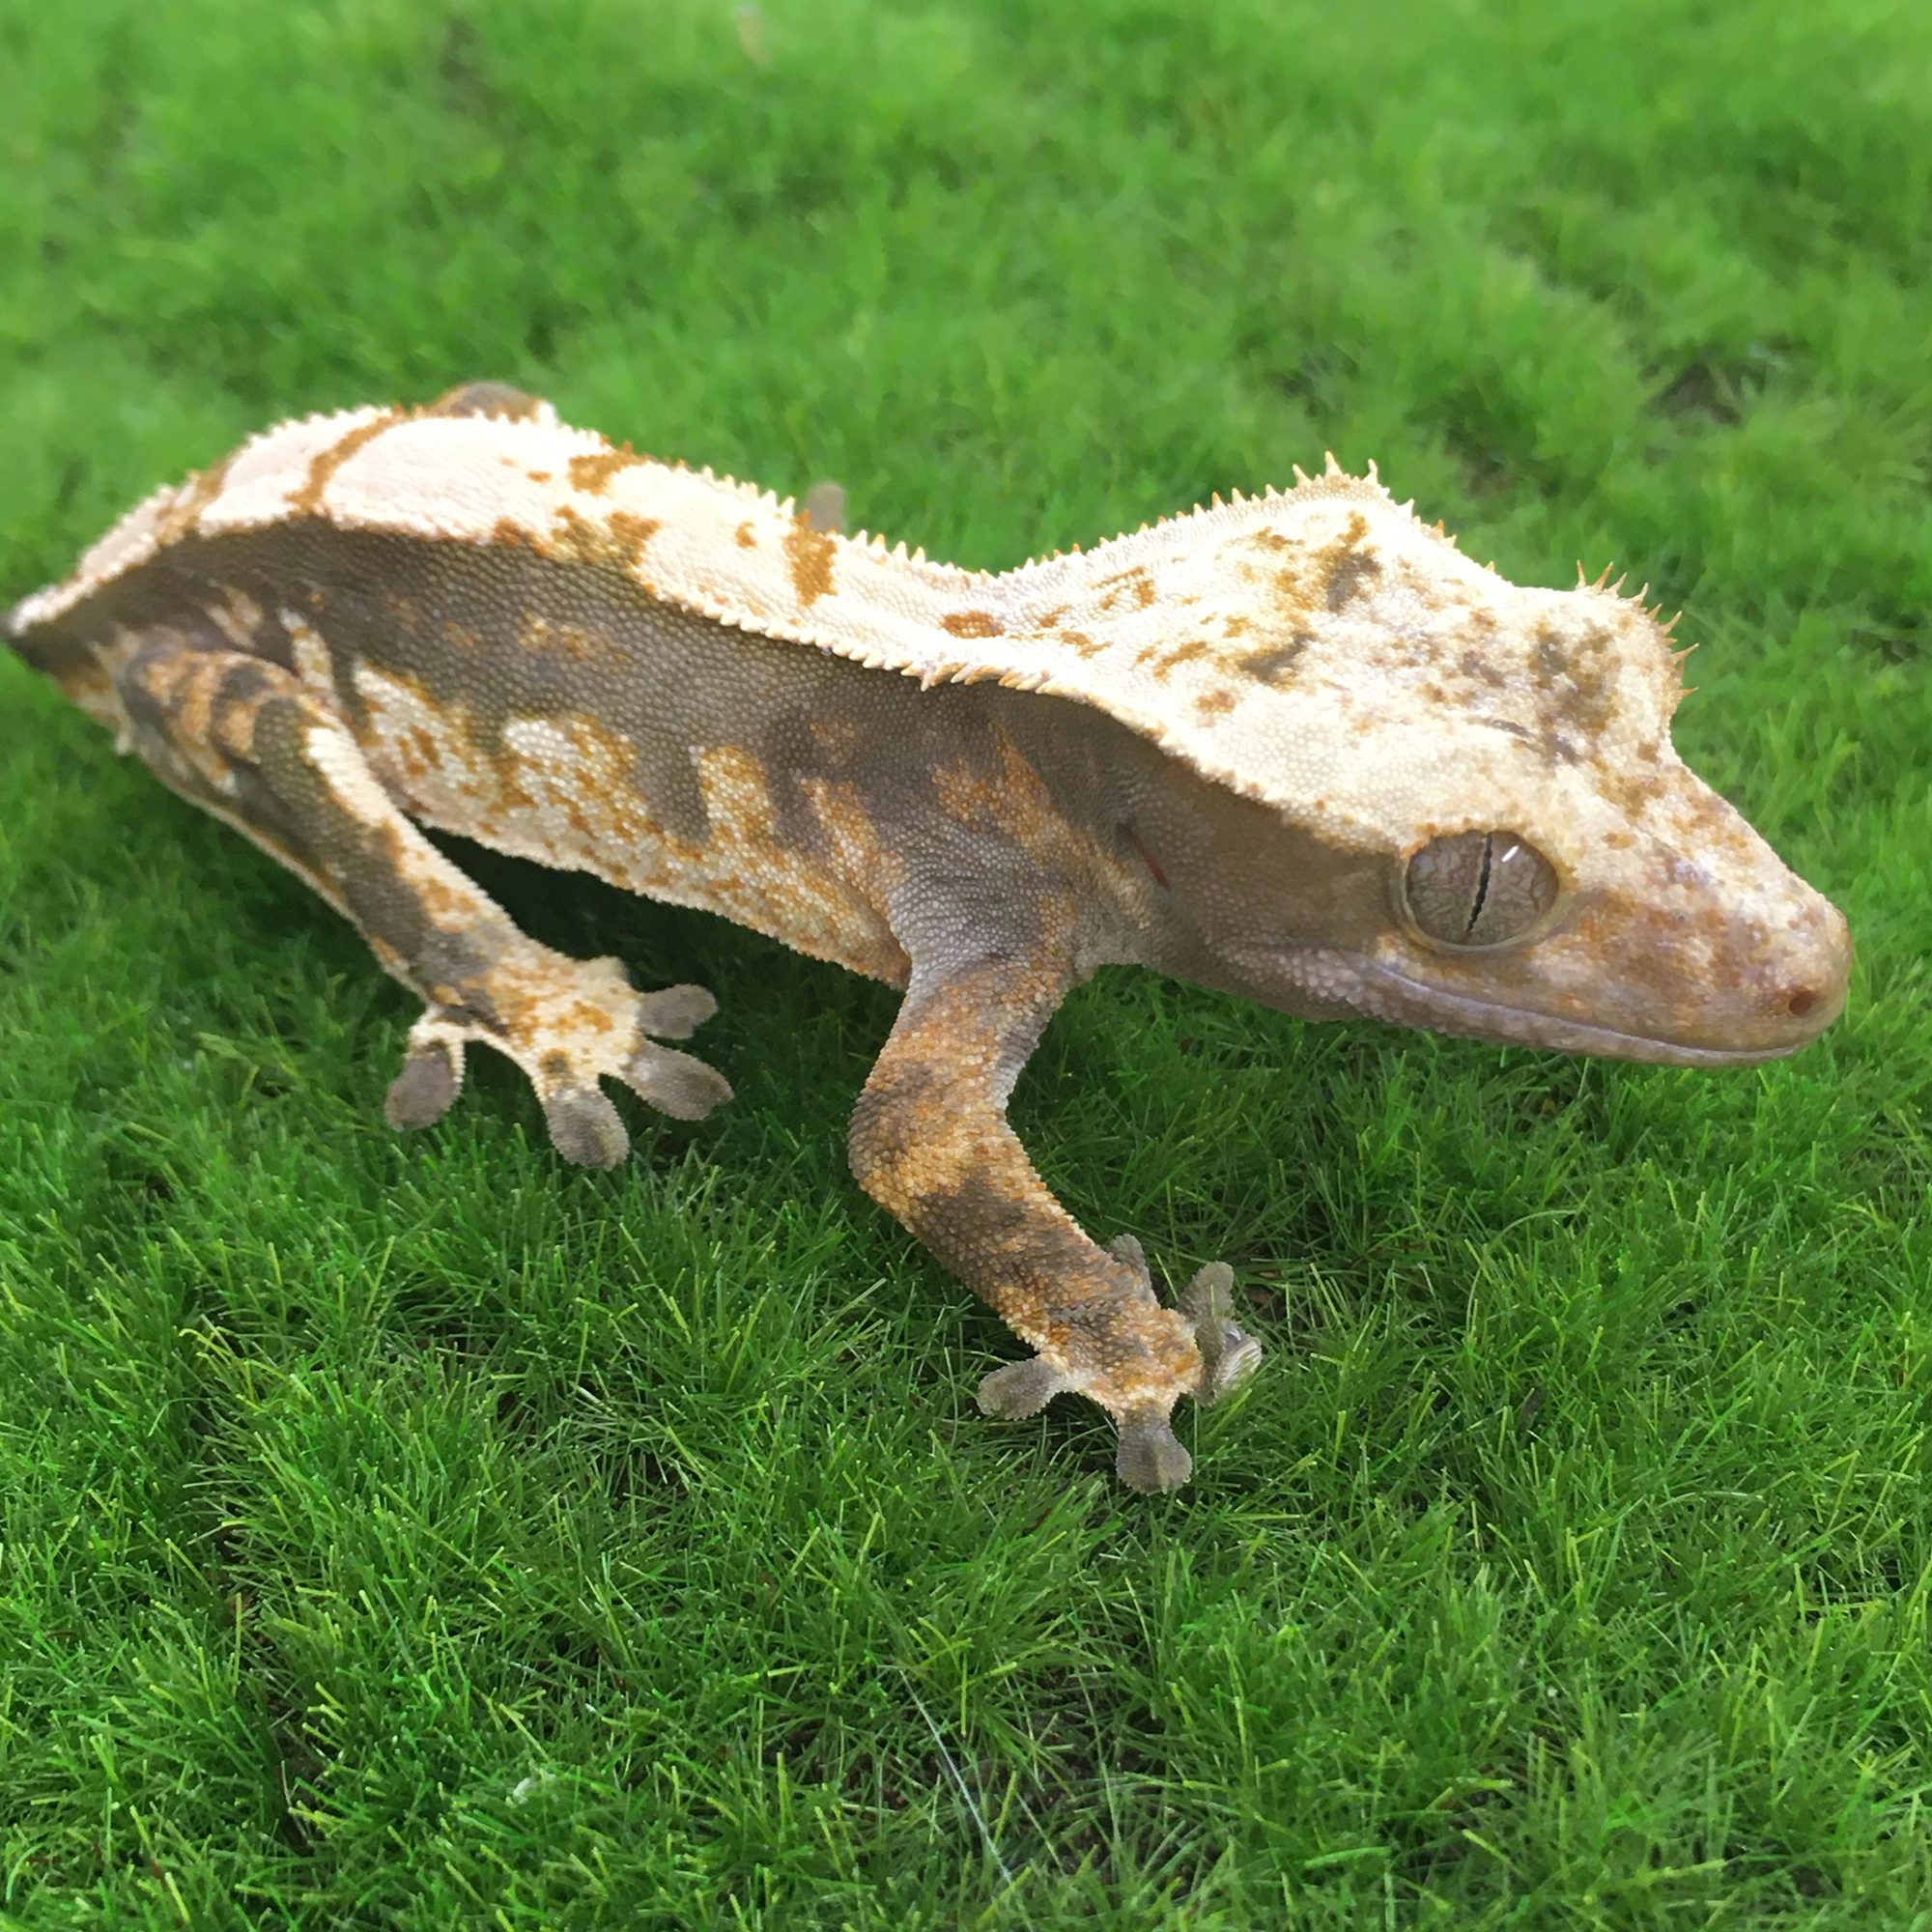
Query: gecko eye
[1479,888]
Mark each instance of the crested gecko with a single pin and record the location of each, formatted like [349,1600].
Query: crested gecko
[1294,746]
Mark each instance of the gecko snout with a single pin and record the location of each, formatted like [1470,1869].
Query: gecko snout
[1806,977]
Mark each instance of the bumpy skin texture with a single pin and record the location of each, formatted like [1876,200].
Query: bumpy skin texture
[1295,747]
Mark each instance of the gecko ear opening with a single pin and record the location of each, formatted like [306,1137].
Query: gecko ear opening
[1478,888]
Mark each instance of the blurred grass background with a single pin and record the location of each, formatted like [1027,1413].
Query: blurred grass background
[421,1533]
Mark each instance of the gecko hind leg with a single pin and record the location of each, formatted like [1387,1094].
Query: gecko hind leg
[251,743]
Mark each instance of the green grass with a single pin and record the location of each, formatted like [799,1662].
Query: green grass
[421,1533]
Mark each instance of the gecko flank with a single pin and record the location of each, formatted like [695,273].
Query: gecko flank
[1297,747]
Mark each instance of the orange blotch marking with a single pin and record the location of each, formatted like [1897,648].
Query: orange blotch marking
[307,501]
[195,497]
[1135,583]
[1194,647]
[808,554]
[632,532]
[971,624]
[1346,568]
[620,539]
[539,633]
[592,472]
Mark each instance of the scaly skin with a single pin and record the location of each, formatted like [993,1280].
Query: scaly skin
[1297,747]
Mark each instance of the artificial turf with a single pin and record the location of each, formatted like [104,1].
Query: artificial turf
[420,1533]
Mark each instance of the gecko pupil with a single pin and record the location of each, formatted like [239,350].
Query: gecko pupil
[1478,888]
[1482,885]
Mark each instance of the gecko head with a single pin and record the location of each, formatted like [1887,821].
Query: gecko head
[1506,845]
[1686,941]
[1589,892]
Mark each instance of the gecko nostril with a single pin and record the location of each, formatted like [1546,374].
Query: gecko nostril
[1801,1002]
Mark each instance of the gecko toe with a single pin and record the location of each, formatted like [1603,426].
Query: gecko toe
[1150,1457]
[1229,1353]
[585,1127]
[674,1083]
[675,1013]
[1237,1357]
[422,1093]
[1127,1249]
[1022,1389]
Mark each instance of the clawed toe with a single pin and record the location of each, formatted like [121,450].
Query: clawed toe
[1022,1389]
[674,1083]
[675,1013]
[423,1092]
[1151,1458]
[585,1127]
[1229,1353]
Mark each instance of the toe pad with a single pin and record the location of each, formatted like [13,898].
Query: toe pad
[421,1094]
[1022,1389]
[585,1127]
[1229,1353]
[1151,1458]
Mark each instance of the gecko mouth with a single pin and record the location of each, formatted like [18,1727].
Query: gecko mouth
[1394,996]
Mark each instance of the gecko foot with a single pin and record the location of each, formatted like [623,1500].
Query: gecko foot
[1150,1457]
[568,1032]
[1229,1353]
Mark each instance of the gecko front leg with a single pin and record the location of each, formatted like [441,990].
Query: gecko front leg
[931,1144]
